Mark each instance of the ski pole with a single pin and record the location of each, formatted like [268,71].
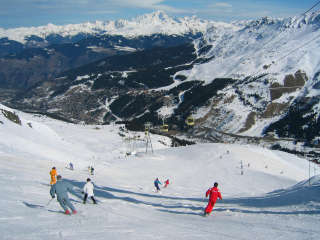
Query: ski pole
[49,201]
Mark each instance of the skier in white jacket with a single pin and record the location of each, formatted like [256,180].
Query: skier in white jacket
[88,191]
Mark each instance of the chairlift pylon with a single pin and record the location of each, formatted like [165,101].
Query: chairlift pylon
[130,145]
[147,127]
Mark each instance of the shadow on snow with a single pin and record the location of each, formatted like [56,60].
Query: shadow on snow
[300,194]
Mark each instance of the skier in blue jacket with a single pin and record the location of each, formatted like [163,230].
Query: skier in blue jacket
[61,189]
[156,184]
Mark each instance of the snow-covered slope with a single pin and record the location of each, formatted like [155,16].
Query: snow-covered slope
[274,61]
[128,206]
[34,139]
[148,24]
[283,46]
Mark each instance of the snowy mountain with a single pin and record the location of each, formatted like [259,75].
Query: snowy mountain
[268,192]
[31,55]
[262,46]
[25,67]
[276,66]
[256,80]
[148,24]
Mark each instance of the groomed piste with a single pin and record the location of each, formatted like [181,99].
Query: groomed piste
[266,194]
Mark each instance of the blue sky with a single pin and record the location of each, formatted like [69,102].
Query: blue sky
[26,13]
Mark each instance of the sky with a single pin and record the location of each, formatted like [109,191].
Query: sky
[26,13]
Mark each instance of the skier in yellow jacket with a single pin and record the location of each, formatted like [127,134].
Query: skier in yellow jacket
[53,174]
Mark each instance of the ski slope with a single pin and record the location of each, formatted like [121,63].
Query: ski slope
[273,199]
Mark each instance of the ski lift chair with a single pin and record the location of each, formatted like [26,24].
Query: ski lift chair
[190,121]
[164,128]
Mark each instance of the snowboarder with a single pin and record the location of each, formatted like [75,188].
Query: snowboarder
[213,194]
[88,191]
[166,183]
[61,189]
[53,174]
[156,184]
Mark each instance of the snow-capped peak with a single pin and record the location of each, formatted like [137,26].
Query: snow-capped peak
[158,16]
[312,18]
[153,23]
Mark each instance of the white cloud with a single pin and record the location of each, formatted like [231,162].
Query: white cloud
[105,5]
[223,5]
[146,4]
[19,12]
[170,9]
[217,9]
[137,3]
[97,12]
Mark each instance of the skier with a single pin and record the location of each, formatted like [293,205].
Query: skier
[156,184]
[53,174]
[213,194]
[91,170]
[61,189]
[166,183]
[70,166]
[88,191]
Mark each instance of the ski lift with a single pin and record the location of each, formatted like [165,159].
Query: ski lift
[164,128]
[190,121]
[147,127]
[130,145]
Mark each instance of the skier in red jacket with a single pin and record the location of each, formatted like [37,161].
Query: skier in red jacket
[166,183]
[213,194]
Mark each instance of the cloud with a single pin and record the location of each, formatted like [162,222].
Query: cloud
[91,5]
[137,3]
[218,9]
[101,12]
[146,4]
[223,5]
[99,4]
[170,9]
[40,12]
[17,13]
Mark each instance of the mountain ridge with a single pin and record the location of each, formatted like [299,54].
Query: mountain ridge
[247,78]
[148,24]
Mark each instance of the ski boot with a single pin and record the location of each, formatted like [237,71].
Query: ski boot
[67,212]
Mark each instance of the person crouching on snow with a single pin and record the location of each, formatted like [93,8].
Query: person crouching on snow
[61,188]
[213,194]
[88,191]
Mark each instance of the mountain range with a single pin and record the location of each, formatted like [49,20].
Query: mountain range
[257,79]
